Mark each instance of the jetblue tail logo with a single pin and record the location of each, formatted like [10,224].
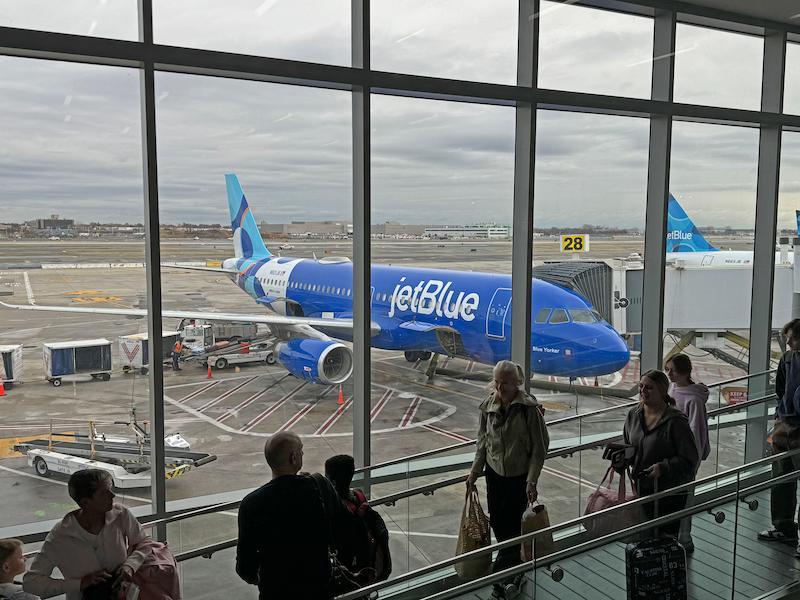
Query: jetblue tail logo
[682,235]
[247,240]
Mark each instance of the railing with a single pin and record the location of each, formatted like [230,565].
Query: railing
[729,483]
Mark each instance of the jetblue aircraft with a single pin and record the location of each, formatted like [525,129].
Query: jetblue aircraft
[686,244]
[417,311]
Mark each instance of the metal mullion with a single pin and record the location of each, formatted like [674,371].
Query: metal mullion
[769,158]
[657,193]
[524,158]
[362,317]
[153,269]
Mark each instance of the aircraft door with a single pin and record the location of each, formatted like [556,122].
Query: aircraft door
[499,310]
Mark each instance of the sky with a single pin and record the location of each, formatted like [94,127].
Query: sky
[72,141]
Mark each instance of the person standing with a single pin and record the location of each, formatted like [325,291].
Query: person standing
[511,447]
[177,350]
[665,454]
[690,399]
[786,436]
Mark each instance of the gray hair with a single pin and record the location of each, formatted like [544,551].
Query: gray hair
[510,367]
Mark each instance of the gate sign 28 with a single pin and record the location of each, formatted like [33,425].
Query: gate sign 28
[577,242]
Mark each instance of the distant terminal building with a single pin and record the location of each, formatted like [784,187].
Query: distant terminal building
[395,229]
[310,228]
[489,231]
[54,222]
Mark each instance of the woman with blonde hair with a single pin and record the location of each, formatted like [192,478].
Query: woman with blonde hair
[511,447]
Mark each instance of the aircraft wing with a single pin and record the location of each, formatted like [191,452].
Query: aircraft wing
[206,269]
[265,318]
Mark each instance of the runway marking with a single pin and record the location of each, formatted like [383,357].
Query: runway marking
[226,394]
[448,410]
[28,287]
[331,421]
[376,410]
[248,401]
[119,493]
[470,366]
[410,413]
[200,391]
[569,477]
[297,416]
[272,409]
[451,434]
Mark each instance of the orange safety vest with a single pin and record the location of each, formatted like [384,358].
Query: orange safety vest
[178,347]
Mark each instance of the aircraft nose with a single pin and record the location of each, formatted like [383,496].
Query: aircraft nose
[615,353]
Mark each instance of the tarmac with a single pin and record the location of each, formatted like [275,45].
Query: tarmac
[232,414]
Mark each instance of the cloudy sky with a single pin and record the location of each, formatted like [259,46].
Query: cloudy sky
[71,133]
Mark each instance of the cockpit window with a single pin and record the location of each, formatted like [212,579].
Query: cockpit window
[597,315]
[582,315]
[559,316]
[541,316]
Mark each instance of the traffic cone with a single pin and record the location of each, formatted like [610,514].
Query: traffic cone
[340,401]
[208,375]
[3,388]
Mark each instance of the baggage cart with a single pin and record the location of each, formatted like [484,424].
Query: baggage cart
[134,350]
[78,357]
[11,364]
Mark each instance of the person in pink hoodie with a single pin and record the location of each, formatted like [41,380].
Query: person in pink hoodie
[690,399]
[99,542]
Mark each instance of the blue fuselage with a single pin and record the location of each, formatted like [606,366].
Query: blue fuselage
[459,313]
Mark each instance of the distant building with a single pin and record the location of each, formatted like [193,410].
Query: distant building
[393,228]
[299,228]
[54,222]
[489,231]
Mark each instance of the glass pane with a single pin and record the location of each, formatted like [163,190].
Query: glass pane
[307,30]
[589,212]
[286,152]
[791,97]
[442,185]
[710,246]
[458,39]
[717,68]
[71,192]
[598,51]
[116,19]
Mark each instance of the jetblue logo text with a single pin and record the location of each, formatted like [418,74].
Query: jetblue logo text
[677,234]
[434,297]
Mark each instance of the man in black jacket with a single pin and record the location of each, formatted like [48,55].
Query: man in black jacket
[786,436]
[284,528]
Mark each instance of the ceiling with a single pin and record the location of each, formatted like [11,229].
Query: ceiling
[784,11]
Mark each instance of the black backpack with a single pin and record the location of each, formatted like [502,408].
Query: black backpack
[379,555]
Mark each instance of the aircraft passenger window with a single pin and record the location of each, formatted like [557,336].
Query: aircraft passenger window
[338,291]
[582,315]
[541,315]
[559,316]
[348,291]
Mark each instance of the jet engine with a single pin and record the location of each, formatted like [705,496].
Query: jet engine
[318,361]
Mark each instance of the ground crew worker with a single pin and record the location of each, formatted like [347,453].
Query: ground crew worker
[176,354]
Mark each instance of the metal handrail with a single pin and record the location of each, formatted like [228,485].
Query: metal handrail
[560,421]
[622,534]
[579,521]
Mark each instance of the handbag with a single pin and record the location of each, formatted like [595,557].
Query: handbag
[474,533]
[536,518]
[157,578]
[605,496]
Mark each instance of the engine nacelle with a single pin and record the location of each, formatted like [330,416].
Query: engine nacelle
[318,361]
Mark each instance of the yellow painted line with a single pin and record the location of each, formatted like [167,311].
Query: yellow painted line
[88,299]
[84,293]
[7,444]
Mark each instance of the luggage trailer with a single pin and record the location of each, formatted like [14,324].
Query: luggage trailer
[128,463]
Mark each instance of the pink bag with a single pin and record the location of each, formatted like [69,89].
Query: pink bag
[157,578]
[606,497]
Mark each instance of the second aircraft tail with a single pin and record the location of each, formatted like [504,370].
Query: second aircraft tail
[247,241]
[682,235]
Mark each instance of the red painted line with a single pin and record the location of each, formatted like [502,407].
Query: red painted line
[411,411]
[198,392]
[297,416]
[625,370]
[334,417]
[450,434]
[226,394]
[445,361]
[264,415]
[250,400]
[380,405]
[416,364]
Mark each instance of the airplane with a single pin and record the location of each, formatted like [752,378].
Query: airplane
[308,307]
[686,244]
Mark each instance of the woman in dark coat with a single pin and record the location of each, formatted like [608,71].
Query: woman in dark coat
[665,452]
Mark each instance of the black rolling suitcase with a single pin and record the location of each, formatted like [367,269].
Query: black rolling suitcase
[655,569]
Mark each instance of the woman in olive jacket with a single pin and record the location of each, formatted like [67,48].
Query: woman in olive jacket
[665,452]
[511,446]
